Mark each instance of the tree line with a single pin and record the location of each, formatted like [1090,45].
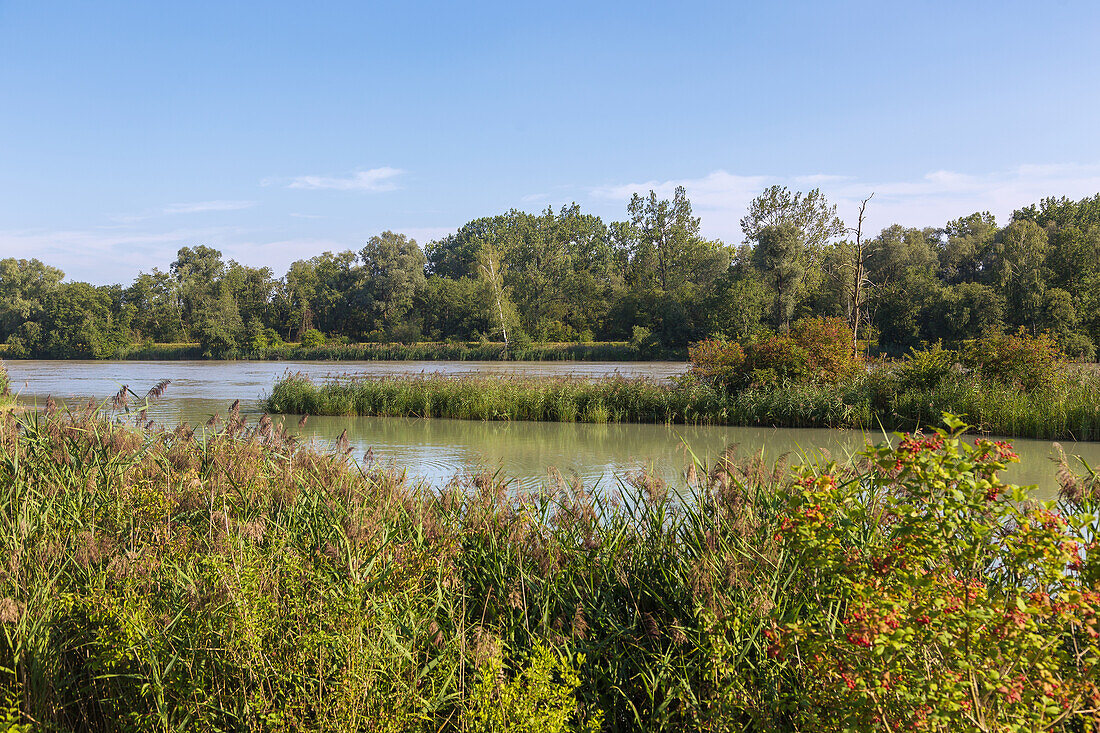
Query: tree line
[570,276]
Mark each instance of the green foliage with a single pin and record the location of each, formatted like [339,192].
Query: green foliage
[816,350]
[313,338]
[500,398]
[870,399]
[540,697]
[644,342]
[25,288]
[218,324]
[519,342]
[780,256]
[811,214]
[941,600]
[1018,360]
[393,277]
[564,276]
[926,369]
[16,348]
[1076,345]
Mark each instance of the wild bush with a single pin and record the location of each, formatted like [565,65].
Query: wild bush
[1018,360]
[816,350]
[716,361]
[942,599]
[925,369]
[312,338]
[829,347]
[538,698]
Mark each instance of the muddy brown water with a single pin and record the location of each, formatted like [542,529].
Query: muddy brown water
[436,450]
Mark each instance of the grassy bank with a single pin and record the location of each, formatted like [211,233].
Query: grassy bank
[231,580]
[425,351]
[1069,409]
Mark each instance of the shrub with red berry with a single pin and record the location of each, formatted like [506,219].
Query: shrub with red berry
[938,597]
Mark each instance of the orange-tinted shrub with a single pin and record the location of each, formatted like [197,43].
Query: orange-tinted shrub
[816,350]
[716,360]
[828,345]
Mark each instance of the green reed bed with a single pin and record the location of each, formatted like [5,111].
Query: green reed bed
[499,398]
[230,579]
[1067,410]
[159,352]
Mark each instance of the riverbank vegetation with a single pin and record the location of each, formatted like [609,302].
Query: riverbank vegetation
[421,351]
[6,398]
[1012,385]
[229,578]
[652,280]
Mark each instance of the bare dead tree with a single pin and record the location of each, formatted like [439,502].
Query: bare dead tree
[860,282]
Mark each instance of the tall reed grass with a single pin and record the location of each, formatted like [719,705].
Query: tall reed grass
[559,399]
[1068,410]
[228,578]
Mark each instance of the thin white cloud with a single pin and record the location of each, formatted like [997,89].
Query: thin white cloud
[106,255]
[203,206]
[713,191]
[720,198]
[278,254]
[817,180]
[373,180]
[195,207]
[423,235]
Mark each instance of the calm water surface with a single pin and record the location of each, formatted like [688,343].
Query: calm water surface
[436,450]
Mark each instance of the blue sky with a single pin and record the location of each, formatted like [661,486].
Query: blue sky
[276,130]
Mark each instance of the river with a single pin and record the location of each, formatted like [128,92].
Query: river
[436,450]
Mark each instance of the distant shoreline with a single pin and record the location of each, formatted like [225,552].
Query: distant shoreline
[422,351]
